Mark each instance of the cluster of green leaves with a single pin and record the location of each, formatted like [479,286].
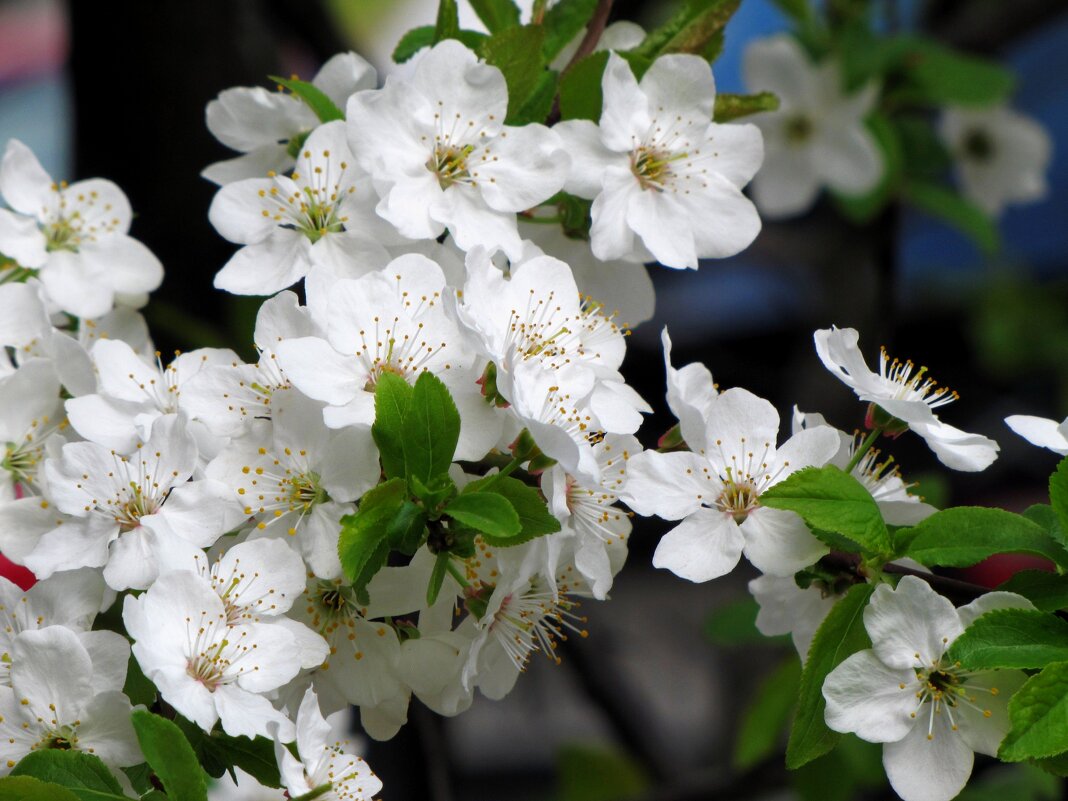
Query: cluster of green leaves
[916,75]
[416,430]
[841,513]
[179,758]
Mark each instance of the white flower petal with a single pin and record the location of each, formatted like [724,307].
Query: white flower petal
[704,546]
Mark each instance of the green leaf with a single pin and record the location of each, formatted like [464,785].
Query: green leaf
[731,107]
[580,89]
[393,396]
[830,499]
[486,512]
[496,15]
[735,624]
[702,34]
[315,98]
[516,52]
[841,634]
[362,532]
[437,577]
[1058,499]
[534,517]
[563,22]
[1038,712]
[218,753]
[769,711]
[26,788]
[169,754]
[965,535]
[448,22]
[1011,638]
[595,773]
[84,775]
[412,42]
[941,76]
[431,429]
[405,531]
[1047,517]
[140,777]
[851,766]
[1047,591]
[540,102]
[799,10]
[952,209]
[138,688]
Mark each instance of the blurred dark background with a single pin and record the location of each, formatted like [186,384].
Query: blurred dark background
[118,90]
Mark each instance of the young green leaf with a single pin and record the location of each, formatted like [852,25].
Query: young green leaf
[534,517]
[84,775]
[26,788]
[1011,638]
[942,76]
[171,756]
[516,52]
[841,634]
[363,532]
[702,35]
[540,102]
[1058,499]
[564,21]
[405,531]
[580,89]
[731,107]
[829,499]
[486,512]
[431,430]
[393,396]
[1038,712]
[1047,591]
[965,535]
[952,209]
[437,577]
[448,22]
[768,713]
[315,98]
[138,688]
[412,42]
[496,15]
[218,753]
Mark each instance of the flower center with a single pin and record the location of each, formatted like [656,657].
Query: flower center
[305,491]
[652,166]
[945,687]
[21,461]
[128,514]
[913,386]
[64,738]
[738,498]
[449,163]
[798,129]
[978,146]
[63,234]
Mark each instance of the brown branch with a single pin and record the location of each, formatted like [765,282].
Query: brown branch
[594,30]
[954,589]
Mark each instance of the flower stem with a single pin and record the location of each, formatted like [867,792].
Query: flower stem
[865,446]
[455,572]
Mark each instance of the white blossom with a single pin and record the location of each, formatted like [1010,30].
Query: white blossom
[1041,431]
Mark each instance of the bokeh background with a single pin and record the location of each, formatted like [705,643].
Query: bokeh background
[649,706]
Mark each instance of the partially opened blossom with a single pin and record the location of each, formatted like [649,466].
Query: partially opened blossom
[320,215]
[268,128]
[64,696]
[434,140]
[323,760]
[817,138]
[906,393]
[1001,156]
[716,492]
[74,235]
[930,714]
[1041,431]
[664,179]
[205,667]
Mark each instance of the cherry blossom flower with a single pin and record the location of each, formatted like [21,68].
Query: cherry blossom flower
[658,168]
[930,714]
[1001,156]
[434,140]
[75,235]
[1041,431]
[320,215]
[716,492]
[906,393]
[204,666]
[323,760]
[817,137]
